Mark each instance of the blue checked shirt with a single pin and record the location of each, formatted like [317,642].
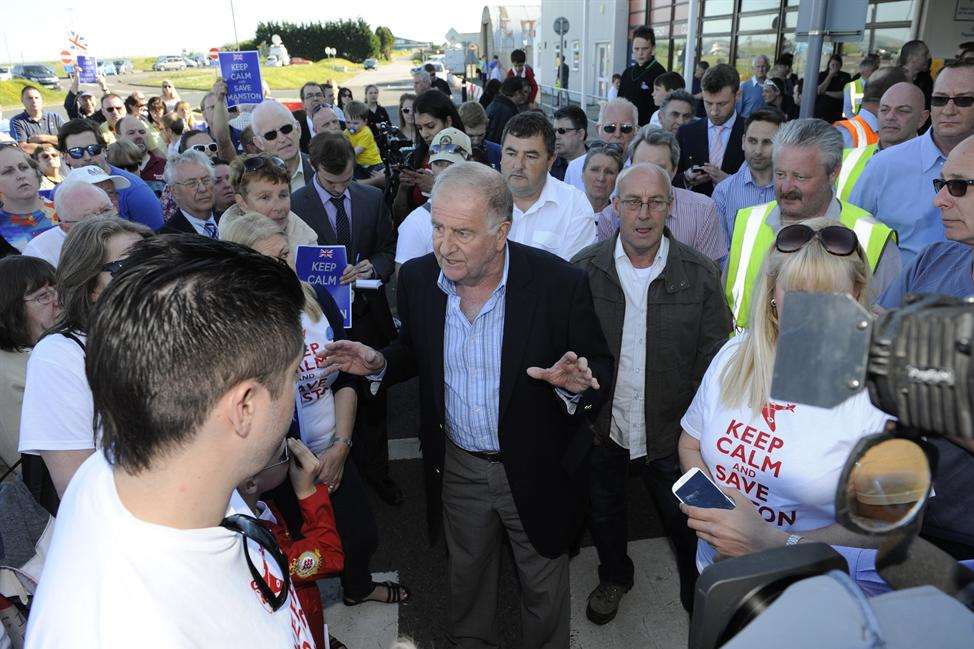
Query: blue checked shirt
[737,192]
[472,367]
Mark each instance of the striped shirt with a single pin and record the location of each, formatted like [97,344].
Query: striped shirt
[692,221]
[736,192]
[472,367]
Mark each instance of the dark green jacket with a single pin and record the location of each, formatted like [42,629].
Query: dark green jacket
[687,322]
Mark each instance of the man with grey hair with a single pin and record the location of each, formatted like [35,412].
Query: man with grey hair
[807,154]
[676,110]
[752,90]
[190,177]
[421,81]
[692,217]
[665,282]
[618,123]
[505,389]
[276,132]
[73,202]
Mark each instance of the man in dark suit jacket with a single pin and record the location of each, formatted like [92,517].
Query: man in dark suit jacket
[347,213]
[505,106]
[190,177]
[312,96]
[711,149]
[505,442]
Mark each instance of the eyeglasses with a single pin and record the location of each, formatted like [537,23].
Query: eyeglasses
[260,161]
[562,130]
[252,530]
[203,148]
[634,205]
[836,239]
[960,102]
[113,267]
[78,152]
[624,128]
[956,187]
[194,183]
[115,108]
[47,296]
[313,95]
[270,136]
[448,148]
[284,458]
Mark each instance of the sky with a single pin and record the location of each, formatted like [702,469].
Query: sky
[39,30]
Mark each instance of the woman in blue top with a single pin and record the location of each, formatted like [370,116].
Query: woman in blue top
[24,214]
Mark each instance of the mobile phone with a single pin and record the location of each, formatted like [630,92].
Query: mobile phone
[696,489]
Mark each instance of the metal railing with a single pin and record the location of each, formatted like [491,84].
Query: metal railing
[551,99]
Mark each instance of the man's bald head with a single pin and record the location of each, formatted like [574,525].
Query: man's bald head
[957,212]
[901,113]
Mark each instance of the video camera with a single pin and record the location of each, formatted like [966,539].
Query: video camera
[916,364]
[395,148]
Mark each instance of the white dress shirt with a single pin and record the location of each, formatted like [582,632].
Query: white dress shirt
[561,221]
[199,224]
[628,428]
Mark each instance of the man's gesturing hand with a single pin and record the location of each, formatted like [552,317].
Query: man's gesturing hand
[351,357]
[570,373]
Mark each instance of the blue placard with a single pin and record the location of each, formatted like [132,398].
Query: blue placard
[323,266]
[241,71]
[89,69]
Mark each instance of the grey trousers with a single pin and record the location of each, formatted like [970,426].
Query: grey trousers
[477,507]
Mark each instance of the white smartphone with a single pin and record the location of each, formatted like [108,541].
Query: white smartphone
[696,489]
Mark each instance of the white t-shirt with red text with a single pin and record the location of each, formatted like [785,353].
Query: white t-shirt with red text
[314,402]
[113,581]
[786,459]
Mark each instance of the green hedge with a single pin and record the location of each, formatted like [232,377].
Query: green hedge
[353,39]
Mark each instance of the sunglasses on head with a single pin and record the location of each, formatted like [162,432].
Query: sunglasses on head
[251,529]
[203,148]
[836,239]
[270,136]
[260,161]
[608,146]
[960,102]
[78,152]
[624,128]
[956,187]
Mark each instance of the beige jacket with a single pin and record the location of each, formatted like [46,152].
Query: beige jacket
[298,232]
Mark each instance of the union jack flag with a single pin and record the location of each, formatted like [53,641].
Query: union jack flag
[327,252]
[77,41]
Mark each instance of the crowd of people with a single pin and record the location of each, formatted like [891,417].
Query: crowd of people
[582,303]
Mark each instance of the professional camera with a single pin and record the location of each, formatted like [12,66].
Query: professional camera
[395,148]
[916,364]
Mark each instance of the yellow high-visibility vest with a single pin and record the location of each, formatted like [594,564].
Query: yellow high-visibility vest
[854,91]
[853,162]
[753,238]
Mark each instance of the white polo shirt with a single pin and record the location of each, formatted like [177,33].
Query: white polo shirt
[47,245]
[561,221]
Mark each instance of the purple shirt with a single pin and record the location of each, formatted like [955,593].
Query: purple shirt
[330,208]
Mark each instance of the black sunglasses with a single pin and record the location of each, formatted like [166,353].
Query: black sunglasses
[624,128]
[260,161]
[113,267]
[561,130]
[836,239]
[78,152]
[956,187]
[252,530]
[960,102]
[270,136]
[202,148]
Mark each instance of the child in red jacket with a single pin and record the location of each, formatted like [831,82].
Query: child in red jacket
[520,68]
[319,554]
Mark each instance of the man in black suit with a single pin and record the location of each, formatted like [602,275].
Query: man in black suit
[347,213]
[312,96]
[711,148]
[505,106]
[277,132]
[190,177]
[505,442]
[637,80]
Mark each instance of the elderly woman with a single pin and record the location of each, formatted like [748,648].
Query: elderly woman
[783,474]
[24,213]
[325,416]
[603,162]
[61,432]
[261,184]
[28,308]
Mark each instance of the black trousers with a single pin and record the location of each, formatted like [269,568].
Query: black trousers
[610,471]
[357,530]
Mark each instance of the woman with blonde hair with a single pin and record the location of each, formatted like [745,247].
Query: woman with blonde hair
[325,414]
[169,95]
[780,462]
[185,111]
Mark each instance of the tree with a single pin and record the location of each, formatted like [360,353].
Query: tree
[353,39]
[386,41]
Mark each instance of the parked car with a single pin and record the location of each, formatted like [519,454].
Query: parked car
[370,64]
[273,62]
[297,60]
[107,68]
[39,74]
[5,74]
[124,66]
[169,63]
[190,62]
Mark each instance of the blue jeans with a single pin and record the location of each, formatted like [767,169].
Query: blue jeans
[610,471]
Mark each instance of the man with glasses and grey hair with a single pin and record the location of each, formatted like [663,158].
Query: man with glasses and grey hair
[618,123]
[277,132]
[807,156]
[74,202]
[190,177]
[667,283]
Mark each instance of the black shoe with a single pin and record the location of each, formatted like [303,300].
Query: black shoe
[603,602]
[388,491]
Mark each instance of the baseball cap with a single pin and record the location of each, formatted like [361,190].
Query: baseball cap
[84,93]
[450,144]
[93,174]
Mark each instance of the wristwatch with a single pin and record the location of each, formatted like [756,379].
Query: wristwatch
[794,539]
[347,441]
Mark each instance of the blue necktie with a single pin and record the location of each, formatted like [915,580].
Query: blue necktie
[210,228]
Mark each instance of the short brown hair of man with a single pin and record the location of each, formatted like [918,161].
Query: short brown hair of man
[331,152]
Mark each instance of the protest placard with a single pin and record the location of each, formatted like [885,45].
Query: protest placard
[241,71]
[323,266]
[88,66]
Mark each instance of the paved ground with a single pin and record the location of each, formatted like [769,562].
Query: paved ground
[650,615]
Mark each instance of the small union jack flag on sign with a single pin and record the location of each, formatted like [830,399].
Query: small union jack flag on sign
[77,41]
[238,57]
[327,252]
